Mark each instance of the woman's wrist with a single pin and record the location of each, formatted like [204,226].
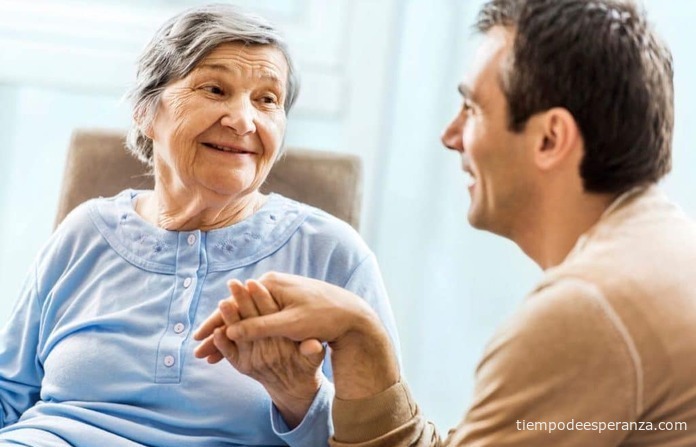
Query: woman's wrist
[293,404]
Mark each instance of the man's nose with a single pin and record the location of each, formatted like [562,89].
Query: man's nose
[452,135]
[240,116]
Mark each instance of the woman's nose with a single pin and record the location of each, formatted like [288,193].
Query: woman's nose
[239,117]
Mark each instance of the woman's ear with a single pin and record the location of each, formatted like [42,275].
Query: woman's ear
[143,120]
[559,139]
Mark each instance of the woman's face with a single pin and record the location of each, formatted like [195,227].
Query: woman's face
[217,132]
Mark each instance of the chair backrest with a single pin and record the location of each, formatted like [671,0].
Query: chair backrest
[99,165]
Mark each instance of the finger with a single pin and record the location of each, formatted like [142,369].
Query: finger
[241,298]
[245,305]
[214,358]
[279,324]
[206,348]
[226,346]
[311,347]
[208,326]
[313,350]
[276,284]
[229,312]
[262,298]
[208,351]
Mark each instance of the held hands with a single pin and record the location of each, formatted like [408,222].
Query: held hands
[289,371]
[305,310]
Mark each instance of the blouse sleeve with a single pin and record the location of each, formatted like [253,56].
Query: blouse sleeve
[21,371]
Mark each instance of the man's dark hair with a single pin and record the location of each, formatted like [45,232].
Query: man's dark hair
[602,61]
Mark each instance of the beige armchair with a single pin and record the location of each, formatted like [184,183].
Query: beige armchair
[99,165]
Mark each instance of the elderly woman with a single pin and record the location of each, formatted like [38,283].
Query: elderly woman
[99,348]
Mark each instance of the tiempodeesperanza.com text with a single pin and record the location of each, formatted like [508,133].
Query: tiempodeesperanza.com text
[599,426]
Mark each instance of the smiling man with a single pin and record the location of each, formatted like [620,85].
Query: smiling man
[565,129]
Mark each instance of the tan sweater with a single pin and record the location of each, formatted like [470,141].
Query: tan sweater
[608,336]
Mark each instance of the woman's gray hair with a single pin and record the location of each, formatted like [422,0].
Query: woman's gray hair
[179,45]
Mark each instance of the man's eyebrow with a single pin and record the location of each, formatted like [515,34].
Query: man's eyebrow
[465,91]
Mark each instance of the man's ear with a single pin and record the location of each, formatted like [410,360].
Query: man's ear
[558,138]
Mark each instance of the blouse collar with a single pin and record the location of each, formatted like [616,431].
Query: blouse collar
[155,249]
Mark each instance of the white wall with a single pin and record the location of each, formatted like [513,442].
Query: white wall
[380,80]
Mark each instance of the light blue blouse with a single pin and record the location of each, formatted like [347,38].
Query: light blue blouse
[98,350]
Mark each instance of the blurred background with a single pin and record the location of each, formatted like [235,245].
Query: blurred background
[379,80]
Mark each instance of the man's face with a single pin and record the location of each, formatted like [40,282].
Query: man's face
[498,161]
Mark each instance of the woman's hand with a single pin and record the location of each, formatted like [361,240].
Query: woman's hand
[291,378]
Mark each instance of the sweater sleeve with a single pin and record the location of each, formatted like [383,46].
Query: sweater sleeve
[390,418]
[21,371]
[561,372]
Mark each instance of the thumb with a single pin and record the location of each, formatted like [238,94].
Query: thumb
[311,347]
[265,326]
[313,350]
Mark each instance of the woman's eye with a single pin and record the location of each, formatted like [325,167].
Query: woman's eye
[269,99]
[214,89]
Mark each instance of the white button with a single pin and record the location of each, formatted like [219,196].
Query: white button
[168,360]
[179,328]
[191,239]
[187,282]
